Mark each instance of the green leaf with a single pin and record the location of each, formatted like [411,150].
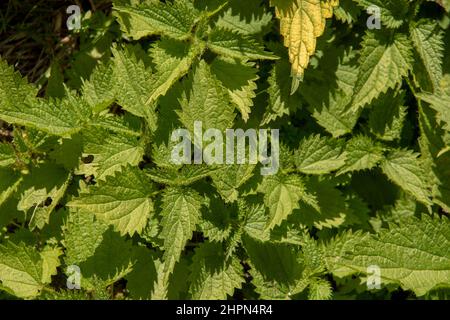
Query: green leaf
[14,89]
[184,176]
[208,101]
[127,125]
[50,261]
[336,77]
[58,117]
[82,235]
[141,280]
[385,60]
[280,101]
[393,12]
[19,105]
[88,177]
[254,219]
[282,194]
[100,91]
[440,101]
[41,192]
[21,269]
[172,20]
[111,152]
[387,117]
[133,81]
[9,212]
[216,219]
[319,155]
[240,80]
[172,60]
[122,200]
[436,163]
[428,39]
[7,155]
[9,183]
[328,210]
[213,277]
[114,258]
[234,45]
[347,11]
[440,104]
[243,25]
[67,152]
[339,247]
[276,268]
[405,169]
[320,289]
[413,254]
[65,295]
[444,3]
[229,178]
[181,213]
[361,153]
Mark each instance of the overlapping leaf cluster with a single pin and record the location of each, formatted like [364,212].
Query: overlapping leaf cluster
[364,118]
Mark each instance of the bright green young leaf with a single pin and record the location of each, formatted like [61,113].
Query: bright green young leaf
[111,152]
[384,60]
[319,155]
[361,153]
[235,22]
[181,213]
[282,194]
[428,41]
[208,102]
[414,254]
[122,200]
[21,269]
[234,45]
[41,192]
[406,170]
[172,20]
[82,235]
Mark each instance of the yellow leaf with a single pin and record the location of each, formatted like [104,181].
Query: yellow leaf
[301,22]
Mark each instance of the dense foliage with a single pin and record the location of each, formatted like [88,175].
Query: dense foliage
[86,177]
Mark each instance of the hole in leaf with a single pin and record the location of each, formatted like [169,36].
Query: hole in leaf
[88,159]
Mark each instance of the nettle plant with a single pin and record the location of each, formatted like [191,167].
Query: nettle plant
[88,192]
